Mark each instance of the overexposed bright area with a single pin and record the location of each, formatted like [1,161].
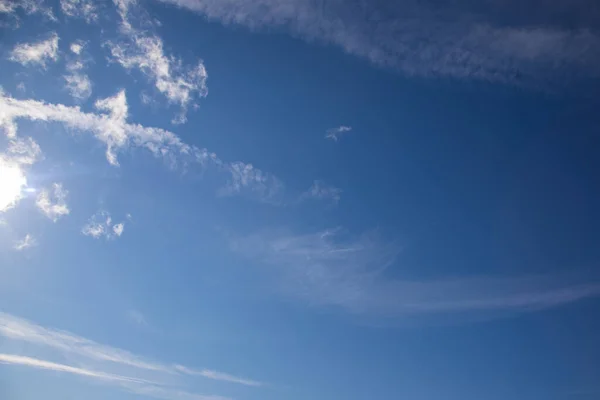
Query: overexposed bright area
[12,181]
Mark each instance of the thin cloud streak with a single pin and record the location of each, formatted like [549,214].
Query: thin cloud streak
[16,328]
[130,384]
[218,376]
[51,366]
[327,269]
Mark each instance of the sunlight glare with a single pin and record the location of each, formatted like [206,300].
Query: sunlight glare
[12,180]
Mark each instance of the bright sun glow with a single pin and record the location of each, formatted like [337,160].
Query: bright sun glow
[12,181]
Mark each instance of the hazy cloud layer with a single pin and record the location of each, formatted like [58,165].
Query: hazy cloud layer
[460,39]
[331,269]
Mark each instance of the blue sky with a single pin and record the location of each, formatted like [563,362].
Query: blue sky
[287,199]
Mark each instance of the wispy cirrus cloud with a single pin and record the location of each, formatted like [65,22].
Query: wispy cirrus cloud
[322,191]
[51,366]
[180,84]
[53,203]
[217,376]
[25,243]
[15,328]
[335,134]
[127,383]
[109,125]
[84,9]
[29,7]
[36,53]
[426,38]
[331,269]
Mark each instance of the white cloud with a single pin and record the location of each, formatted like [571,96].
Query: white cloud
[180,85]
[29,7]
[36,53]
[51,366]
[76,47]
[218,376]
[25,243]
[326,268]
[14,328]
[127,383]
[118,229]
[336,133]
[52,203]
[78,83]
[426,38]
[322,191]
[22,151]
[256,183]
[110,126]
[84,9]
[101,225]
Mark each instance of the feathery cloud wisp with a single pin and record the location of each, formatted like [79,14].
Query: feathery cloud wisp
[323,268]
[84,9]
[25,243]
[36,53]
[52,203]
[110,127]
[336,133]
[180,85]
[322,191]
[127,383]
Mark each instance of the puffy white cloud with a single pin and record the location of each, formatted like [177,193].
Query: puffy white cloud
[25,243]
[39,53]
[78,83]
[52,203]
[336,133]
[100,225]
[84,9]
